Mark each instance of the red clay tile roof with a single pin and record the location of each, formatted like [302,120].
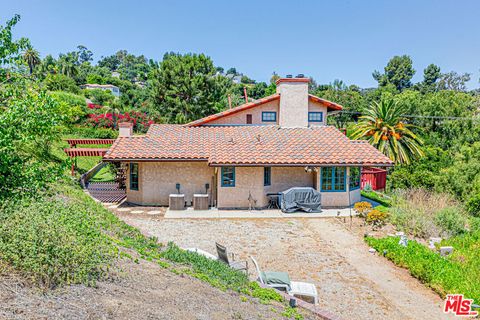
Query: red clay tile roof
[330,105]
[247,145]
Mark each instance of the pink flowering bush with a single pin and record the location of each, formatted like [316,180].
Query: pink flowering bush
[140,120]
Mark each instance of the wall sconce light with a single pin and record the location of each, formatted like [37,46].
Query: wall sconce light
[207,186]
[177,186]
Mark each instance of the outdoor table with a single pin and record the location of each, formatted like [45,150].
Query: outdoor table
[274,200]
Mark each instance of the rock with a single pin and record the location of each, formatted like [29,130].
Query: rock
[432,241]
[372,250]
[446,251]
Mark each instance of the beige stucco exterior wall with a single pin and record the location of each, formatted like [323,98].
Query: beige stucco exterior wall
[157,181]
[293,104]
[248,180]
[256,112]
[317,107]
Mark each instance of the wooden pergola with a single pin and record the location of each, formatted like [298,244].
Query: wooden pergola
[74,152]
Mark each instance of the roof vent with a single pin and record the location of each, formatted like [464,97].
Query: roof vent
[300,75]
[289,76]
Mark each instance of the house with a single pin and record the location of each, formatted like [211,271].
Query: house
[241,154]
[114,89]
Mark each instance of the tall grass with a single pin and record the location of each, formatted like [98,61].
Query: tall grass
[426,214]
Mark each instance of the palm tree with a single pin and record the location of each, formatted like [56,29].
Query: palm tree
[115,111]
[68,64]
[32,57]
[382,124]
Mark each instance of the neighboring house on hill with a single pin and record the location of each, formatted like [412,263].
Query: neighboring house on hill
[114,89]
[243,153]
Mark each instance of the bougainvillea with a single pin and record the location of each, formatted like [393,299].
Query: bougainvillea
[140,120]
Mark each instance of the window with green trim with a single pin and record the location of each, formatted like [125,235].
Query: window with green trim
[133,176]
[267,176]
[355,174]
[228,177]
[333,179]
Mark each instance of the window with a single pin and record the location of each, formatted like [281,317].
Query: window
[228,176]
[249,119]
[333,179]
[133,176]
[355,174]
[267,176]
[315,116]
[269,116]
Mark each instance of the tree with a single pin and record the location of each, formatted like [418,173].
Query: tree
[431,74]
[9,49]
[185,87]
[32,58]
[399,72]
[383,127]
[29,120]
[453,81]
[69,64]
[60,82]
[84,55]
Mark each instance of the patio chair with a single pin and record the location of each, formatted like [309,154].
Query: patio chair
[201,252]
[281,281]
[223,256]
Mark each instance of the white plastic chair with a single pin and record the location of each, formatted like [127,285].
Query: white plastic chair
[296,288]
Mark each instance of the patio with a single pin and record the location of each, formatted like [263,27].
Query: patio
[189,213]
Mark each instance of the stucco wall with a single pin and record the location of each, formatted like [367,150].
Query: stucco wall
[248,180]
[317,107]
[293,104]
[157,181]
[256,112]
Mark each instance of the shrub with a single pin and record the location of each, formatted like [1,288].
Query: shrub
[72,106]
[362,207]
[376,217]
[54,241]
[450,221]
[457,273]
[377,196]
[473,205]
[96,133]
[60,82]
[420,213]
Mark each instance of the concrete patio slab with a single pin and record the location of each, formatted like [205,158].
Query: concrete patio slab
[213,213]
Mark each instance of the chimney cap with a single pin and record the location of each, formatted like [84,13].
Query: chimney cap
[292,80]
[125,124]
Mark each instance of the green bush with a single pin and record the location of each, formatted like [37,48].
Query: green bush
[455,274]
[215,272]
[88,132]
[450,221]
[427,214]
[378,197]
[54,241]
[60,82]
[473,205]
[72,106]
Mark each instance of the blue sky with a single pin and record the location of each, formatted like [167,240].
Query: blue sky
[326,40]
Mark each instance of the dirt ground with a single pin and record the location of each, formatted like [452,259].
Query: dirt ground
[137,291]
[352,282]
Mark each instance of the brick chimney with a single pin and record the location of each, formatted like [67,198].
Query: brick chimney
[125,129]
[293,101]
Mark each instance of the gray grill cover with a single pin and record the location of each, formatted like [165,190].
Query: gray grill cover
[300,198]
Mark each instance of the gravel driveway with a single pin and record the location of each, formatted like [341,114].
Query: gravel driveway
[351,282]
